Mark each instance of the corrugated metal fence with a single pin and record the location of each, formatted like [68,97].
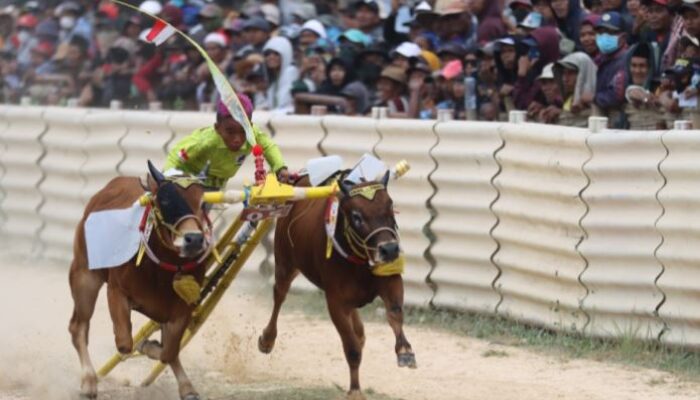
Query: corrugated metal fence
[567,228]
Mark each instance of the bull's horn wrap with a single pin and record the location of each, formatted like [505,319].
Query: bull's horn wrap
[400,169]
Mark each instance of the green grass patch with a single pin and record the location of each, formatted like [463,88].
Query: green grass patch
[626,350]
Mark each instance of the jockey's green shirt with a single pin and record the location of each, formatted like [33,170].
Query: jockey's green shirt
[191,154]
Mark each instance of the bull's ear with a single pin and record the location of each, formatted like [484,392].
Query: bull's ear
[155,173]
[385,179]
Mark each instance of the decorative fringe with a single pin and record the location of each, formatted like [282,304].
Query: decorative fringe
[187,288]
[391,268]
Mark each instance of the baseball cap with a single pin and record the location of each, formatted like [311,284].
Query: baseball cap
[257,23]
[452,69]
[151,6]
[408,50]
[610,20]
[547,72]
[533,20]
[371,4]
[356,36]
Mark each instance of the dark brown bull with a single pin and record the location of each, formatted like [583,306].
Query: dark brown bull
[146,288]
[348,283]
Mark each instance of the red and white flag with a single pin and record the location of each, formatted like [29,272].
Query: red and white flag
[160,32]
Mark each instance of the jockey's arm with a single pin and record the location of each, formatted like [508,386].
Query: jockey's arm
[272,153]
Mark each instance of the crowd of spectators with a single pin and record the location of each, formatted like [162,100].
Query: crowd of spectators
[635,61]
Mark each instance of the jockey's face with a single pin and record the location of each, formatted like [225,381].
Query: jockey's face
[231,132]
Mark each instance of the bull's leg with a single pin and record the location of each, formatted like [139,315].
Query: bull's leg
[391,292]
[85,286]
[284,275]
[358,327]
[120,312]
[172,336]
[341,316]
[168,353]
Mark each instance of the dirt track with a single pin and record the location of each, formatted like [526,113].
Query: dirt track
[37,360]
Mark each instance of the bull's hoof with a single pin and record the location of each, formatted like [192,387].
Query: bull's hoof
[141,348]
[265,348]
[190,396]
[90,396]
[407,360]
[355,395]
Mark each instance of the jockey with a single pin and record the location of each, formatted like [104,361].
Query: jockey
[224,145]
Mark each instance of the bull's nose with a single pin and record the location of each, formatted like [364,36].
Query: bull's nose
[389,251]
[193,241]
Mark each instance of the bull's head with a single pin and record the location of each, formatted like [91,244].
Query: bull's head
[179,211]
[370,225]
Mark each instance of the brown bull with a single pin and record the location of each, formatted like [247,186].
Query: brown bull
[178,244]
[366,233]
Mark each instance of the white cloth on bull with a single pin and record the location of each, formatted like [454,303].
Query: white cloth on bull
[112,236]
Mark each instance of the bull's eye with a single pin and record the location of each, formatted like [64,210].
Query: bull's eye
[356,219]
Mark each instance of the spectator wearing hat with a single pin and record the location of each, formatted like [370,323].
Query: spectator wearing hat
[505,59]
[405,55]
[310,33]
[452,23]
[452,75]
[368,19]
[256,31]
[72,22]
[520,9]
[575,75]
[587,35]
[690,12]
[357,97]
[450,52]
[658,30]
[216,46]
[642,107]
[529,24]
[391,87]
[610,81]
[546,106]
[210,18]
[281,74]
[620,7]
[542,49]
[422,100]
[487,89]
[543,7]
[568,16]
[271,14]
[25,39]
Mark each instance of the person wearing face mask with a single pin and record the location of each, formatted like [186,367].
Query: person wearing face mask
[72,22]
[25,37]
[610,80]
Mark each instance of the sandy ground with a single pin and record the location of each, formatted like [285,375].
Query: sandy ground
[37,360]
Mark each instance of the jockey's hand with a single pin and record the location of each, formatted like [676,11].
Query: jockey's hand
[283,175]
